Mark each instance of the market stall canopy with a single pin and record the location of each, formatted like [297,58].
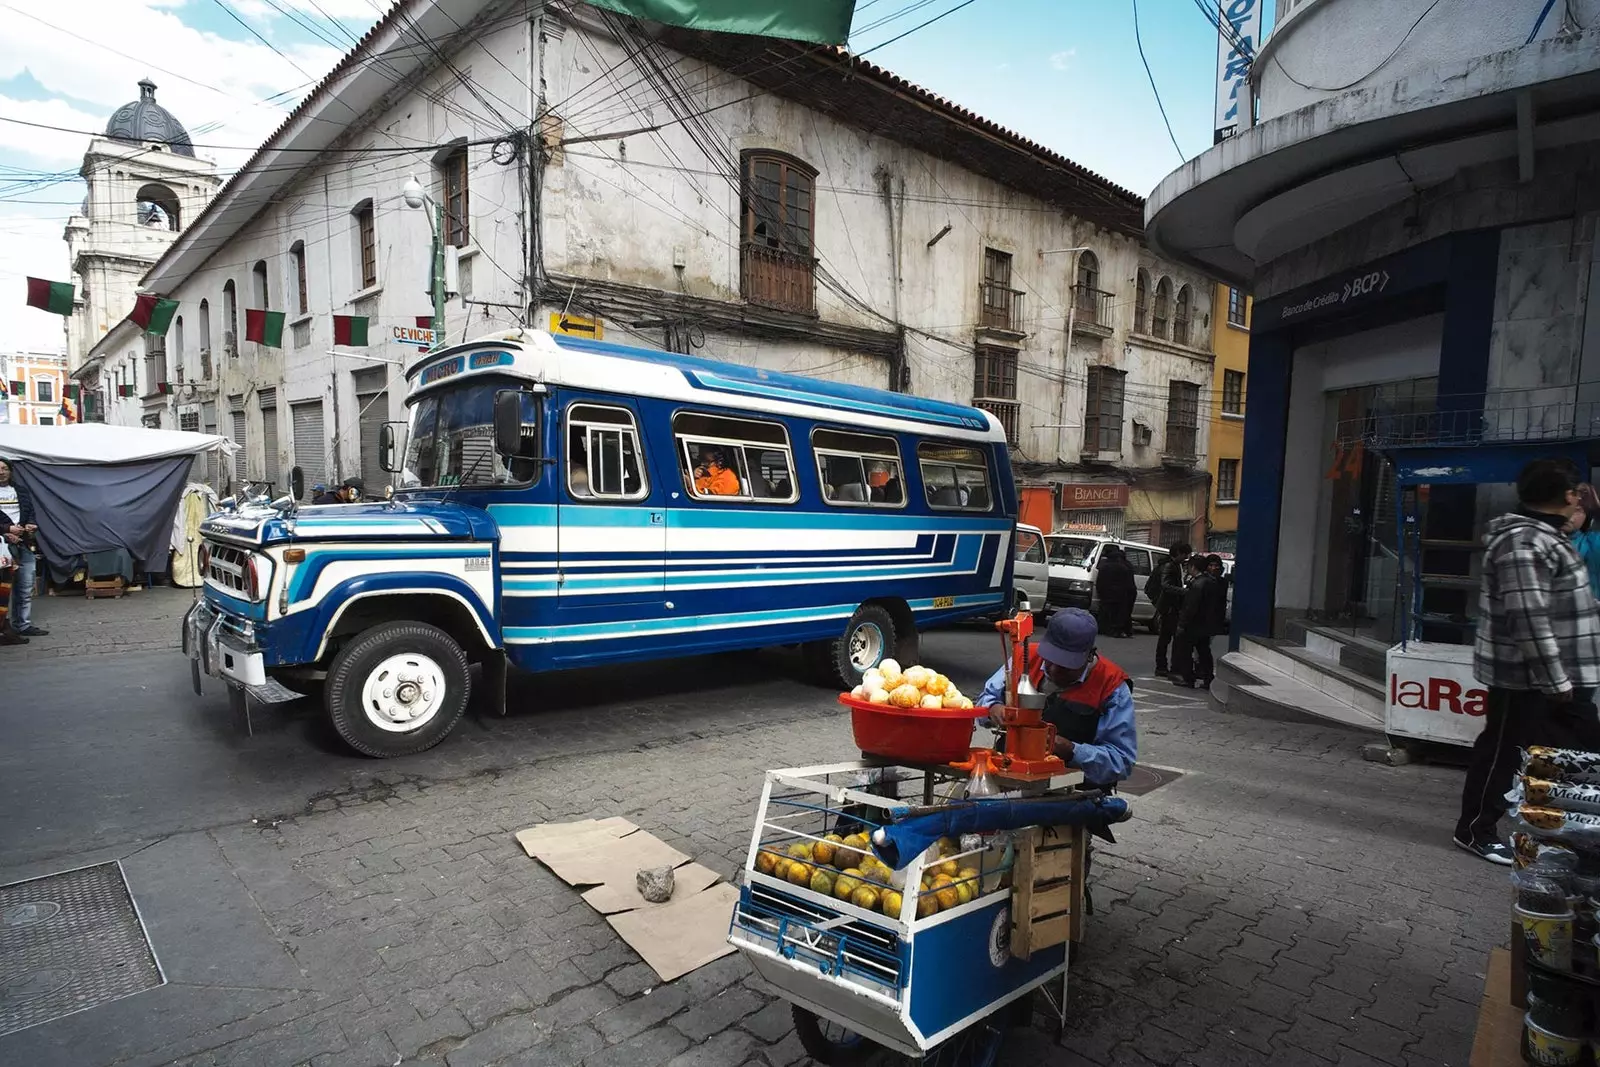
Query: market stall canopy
[96,443]
[100,488]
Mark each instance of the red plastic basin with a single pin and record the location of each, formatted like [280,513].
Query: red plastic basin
[912,735]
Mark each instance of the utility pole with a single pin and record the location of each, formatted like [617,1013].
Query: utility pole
[438,276]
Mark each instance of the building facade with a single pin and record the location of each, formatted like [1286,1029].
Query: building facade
[36,385]
[1231,344]
[804,211]
[1420,244]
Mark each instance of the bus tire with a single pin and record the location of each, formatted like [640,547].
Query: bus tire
[397,689]
[869,638]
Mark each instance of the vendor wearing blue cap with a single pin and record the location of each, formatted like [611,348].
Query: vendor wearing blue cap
[1089,699]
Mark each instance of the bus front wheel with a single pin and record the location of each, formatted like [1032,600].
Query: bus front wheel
[868,640]
[397,689]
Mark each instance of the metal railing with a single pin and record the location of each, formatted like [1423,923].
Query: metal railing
[1004,410]
[1092,307]
[999,307]
[1562,420]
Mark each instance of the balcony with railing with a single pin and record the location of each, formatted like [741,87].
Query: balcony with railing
[1091,310]
[1517,417]
[777,279]
[1004,410]
[1000,309]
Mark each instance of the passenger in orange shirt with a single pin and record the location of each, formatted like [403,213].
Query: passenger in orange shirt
[712,477]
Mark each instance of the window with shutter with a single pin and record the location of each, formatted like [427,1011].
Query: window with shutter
[776,253]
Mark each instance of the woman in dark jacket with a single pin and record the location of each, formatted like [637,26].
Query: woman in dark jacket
[1216,606]
[1114,582]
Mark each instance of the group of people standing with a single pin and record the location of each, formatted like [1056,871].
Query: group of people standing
[1190,595]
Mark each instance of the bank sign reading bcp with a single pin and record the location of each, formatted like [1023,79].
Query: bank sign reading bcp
[1237,43]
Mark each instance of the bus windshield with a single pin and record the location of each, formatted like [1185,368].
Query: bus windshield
[452,440]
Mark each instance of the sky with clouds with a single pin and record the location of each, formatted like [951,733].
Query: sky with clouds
[1065,73]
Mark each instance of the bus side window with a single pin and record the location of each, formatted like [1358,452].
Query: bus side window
[858,470]
[603,454]
[722,458]
[954,477]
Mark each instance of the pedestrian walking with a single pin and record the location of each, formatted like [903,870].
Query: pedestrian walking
[1115,585]
[17,530]
[1164,587]
[1537,649]
[1217,597]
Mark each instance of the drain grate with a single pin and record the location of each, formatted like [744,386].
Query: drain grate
[68,942]
[1146,779]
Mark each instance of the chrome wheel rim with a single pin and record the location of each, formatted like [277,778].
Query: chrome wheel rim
[866,646]
[403,693]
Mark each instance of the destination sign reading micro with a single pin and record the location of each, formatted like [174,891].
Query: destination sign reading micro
[440,371]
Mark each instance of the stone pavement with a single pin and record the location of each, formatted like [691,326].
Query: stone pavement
[1283,902]
[134,622]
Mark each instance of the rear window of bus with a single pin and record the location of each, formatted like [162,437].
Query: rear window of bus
[954,477]
[858,470]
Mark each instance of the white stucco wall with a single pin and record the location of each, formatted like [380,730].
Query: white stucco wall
[1319,48]
[625,210]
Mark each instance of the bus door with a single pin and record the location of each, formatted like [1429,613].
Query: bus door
[611,522]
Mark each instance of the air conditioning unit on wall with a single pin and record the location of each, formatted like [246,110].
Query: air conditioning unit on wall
[1142,433]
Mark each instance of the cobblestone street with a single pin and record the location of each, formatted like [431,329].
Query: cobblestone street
[1282,902]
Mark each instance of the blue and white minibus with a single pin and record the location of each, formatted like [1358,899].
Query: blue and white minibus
[563,502]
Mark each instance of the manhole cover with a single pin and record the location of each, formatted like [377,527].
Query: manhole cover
[36,911]
[1146,779]
[68,942]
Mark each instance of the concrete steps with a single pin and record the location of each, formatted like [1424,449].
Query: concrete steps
[1281,680]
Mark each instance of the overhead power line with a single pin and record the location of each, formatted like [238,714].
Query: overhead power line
[1139,40]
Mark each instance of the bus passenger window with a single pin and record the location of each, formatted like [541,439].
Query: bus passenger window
[955,477]
[723,458]
[858,470]
[603,457]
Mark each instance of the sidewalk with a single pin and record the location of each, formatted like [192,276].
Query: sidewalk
[135,622]
[1283,902]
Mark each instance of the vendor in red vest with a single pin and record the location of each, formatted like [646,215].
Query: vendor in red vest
[1089,699]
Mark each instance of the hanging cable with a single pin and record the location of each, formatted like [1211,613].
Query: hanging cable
[1138,39]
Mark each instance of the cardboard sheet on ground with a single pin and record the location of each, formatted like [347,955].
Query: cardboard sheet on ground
[681,935]
[613,897]
[616,861]
[552,837]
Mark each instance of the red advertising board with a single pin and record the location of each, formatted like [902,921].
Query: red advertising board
[1087,495]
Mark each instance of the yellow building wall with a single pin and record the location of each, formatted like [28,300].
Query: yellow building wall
[28,409]
[1231,342]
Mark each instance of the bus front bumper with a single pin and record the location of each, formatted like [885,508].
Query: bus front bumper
[221,647]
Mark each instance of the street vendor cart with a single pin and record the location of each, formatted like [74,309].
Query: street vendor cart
[894,904]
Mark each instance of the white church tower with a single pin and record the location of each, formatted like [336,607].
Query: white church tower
[145,186]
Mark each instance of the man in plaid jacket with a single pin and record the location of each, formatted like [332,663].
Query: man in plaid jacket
[1538,646]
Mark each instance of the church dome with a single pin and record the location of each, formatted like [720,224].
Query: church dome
[144,121]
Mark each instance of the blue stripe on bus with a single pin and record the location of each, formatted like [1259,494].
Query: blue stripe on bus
[646,627]
[305,576]
[711,518]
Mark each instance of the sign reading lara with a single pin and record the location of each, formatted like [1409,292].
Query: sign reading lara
[1433,695]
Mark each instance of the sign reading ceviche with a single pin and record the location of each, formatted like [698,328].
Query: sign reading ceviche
[1432,695]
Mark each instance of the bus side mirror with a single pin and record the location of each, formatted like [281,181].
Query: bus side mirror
[297,482]
[389,447]
[508,422]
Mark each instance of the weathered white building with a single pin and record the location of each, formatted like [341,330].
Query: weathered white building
[743,198]
[1414,209]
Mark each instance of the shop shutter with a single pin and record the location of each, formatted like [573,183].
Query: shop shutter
[372,407]
[208,424]
[310,445]
[236,417]
[269,436]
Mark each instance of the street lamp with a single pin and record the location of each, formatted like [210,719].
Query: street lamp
[416,196]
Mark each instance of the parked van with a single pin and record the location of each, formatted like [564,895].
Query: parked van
[1032,569]
[1073,559]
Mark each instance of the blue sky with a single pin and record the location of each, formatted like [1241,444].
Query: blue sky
[1065,73]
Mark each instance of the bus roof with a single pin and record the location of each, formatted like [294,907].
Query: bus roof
[601,365]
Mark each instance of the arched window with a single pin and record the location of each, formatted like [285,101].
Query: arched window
[1181,316]
[297,256]
[157,206]
[1141,301]
[180,372]
[366,245]
[1086,294]
[777,253]
[205,340]
[1163,308]
[258,278]
[230,316]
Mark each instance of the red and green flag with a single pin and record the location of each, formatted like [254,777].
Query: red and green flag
[153,314]
[350,330]
[54,297]
[264,327]
[424,322]
[817,21]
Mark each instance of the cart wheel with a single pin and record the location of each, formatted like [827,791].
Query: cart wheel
[830,1043]
[976,1046]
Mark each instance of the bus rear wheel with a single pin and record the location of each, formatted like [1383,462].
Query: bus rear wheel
[868,639]
[397,689]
